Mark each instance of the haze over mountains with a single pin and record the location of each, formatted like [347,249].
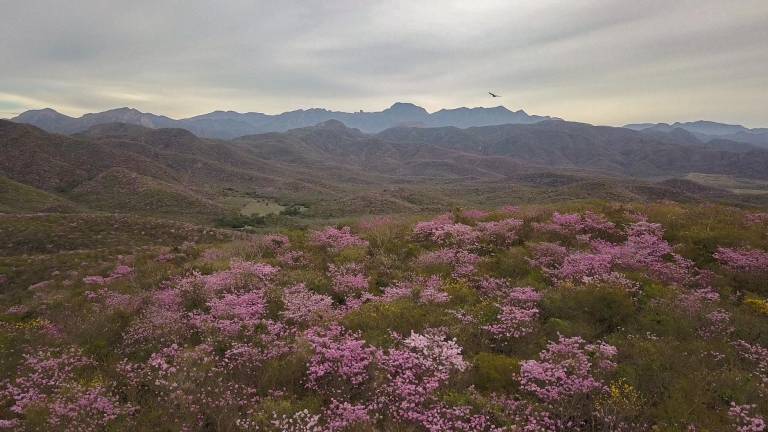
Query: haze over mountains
[331,168]
[230,124]
[708,131]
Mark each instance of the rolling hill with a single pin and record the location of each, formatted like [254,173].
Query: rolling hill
[333,169]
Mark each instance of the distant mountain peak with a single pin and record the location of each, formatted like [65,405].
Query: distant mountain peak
[332,124]
[407,107]
[231,124]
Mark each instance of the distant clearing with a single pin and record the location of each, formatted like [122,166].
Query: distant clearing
[253,206]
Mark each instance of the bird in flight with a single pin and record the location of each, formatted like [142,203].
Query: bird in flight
[493,95]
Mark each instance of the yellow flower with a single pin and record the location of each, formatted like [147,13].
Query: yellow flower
[759,305]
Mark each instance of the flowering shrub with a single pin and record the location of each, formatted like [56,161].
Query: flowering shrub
[348,279]
[503,232]
[415,371]
[743,260]
[436,327]
[335,239]
[443,231]
[567,368]
[757,356]
[745,419]
[518,314]
[340,361]
[573,223]
[304,306]
[462,262]
[50,378]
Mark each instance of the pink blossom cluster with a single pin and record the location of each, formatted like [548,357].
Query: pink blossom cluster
[194,383]
[275,242]
[528,417]
[758,357]
[300,305]
[567,368]
[223,304]
[743,259]
[336,239]
[574,223]
[113,300]
[644,249]
[693,301]
[502,233]
[463,263]
[348,279]
[518,313]
[341,360]
[580,265]
[717,323]
[415,371]
[547,256]
[346,416]
[424,290]
[443,231]
[49,379]
[745,420]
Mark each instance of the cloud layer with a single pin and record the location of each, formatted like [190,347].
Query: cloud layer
[605,62]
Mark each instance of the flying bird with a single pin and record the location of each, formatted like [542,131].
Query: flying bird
[493,95]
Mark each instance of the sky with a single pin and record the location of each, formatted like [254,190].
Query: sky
[602,62]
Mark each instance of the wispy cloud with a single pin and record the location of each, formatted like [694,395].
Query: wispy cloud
[604,62]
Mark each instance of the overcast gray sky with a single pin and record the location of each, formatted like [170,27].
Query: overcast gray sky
[604,62]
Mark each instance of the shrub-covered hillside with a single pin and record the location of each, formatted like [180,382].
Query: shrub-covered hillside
[588,318]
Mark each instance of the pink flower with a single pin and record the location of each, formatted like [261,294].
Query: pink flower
[462,262]
[443,231]
[414,372]
[503,232]
[572,224]
[335,240]
[517,314]
[302,305]
[743,260]
[348,278]
[341,359]
[567,368]
[745,420]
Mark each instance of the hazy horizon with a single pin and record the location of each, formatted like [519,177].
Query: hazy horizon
[608,63]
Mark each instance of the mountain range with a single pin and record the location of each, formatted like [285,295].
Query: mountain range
[332,169]
[708,131]
[231,124]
